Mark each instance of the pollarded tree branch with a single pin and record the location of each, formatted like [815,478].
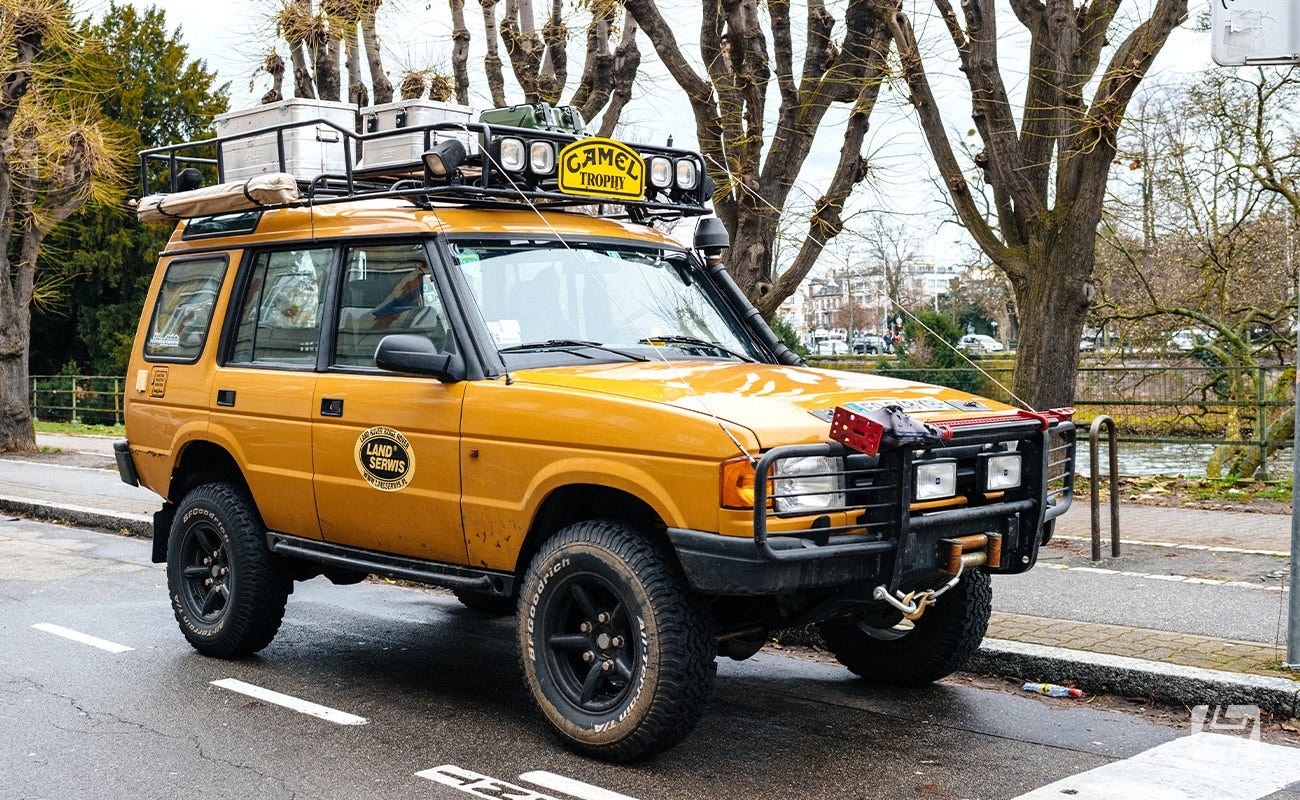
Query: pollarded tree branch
[936,136]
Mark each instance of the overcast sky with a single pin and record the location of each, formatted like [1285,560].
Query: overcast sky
[234,35]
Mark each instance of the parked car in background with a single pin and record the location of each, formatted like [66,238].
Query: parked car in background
[870,344]
[829,344]
[979,343]
[1087,344]
[1188,339]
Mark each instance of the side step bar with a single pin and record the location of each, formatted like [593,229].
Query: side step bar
[434,573]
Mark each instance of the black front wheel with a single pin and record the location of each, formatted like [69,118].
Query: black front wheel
[616,650]
[889,650]
[227,593]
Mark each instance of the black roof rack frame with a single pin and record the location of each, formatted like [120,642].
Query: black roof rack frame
[479,182]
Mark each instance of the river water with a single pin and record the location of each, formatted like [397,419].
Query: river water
[1143,458]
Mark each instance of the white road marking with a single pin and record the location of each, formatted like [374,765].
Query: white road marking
[559,783]
[1208,548]
[478,785]
[78,636]
[289,701]
[1205,766]
[1170,578]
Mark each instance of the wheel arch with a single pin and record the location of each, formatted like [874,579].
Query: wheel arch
[202,461]
[580,502]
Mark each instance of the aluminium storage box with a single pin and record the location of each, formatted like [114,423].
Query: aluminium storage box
[406,149]
[309,150]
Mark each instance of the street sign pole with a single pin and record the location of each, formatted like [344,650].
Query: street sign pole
[1293,608]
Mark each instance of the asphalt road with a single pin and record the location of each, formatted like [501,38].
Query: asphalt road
[437,687]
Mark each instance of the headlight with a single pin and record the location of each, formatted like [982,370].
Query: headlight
[936,480]
[541,158]
[661,172]
[511,154]
[688,175]
[1000,471]
[807,485]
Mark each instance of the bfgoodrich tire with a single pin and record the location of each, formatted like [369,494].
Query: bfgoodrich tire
[935,646]
[616,650]
[226,592]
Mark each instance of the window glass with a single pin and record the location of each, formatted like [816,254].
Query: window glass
[280,318]
[183,311]
[648,301]
[222,225]
[387,289]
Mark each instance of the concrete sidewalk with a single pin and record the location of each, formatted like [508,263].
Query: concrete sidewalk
[1198,595]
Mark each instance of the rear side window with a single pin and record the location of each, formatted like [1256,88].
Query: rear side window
[280,318]
[182,314]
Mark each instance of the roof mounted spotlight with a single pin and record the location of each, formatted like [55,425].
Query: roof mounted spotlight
[189,179]
[711,237]
[443,158]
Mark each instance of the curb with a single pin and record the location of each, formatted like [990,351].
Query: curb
[116,521]
[1168,683]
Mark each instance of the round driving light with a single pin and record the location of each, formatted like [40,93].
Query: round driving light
[541,158]
[661,172]
[511,154]
[688,174]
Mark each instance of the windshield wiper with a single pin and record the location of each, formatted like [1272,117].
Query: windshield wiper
[695,342]
[569,344]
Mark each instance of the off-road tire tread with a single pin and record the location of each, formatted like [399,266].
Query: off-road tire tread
[952,634]
[688,663]
[264,588]
[486,602]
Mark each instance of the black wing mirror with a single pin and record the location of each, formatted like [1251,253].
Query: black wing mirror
[406,352]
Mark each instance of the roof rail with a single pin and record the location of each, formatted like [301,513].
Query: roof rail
[547,168]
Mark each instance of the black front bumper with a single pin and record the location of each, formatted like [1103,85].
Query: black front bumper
[886,543]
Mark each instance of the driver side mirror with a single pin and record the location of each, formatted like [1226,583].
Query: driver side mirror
[406,352]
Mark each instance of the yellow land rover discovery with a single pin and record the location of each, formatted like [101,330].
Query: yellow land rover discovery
[490,373]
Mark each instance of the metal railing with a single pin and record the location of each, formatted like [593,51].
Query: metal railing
[86,399]
[1094,484]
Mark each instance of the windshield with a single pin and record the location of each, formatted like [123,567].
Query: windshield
[548,303]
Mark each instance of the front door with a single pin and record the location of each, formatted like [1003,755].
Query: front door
[386,445]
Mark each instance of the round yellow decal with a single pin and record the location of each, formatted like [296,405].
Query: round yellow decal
[385,459]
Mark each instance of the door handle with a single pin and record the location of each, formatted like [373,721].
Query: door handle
[226,397]
[331,407]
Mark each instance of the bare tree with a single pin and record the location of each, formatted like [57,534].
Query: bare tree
[318,36]
[1046,169]
[758,157]
[52,157]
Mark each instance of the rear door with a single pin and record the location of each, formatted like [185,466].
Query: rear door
[387,464]
[262,394]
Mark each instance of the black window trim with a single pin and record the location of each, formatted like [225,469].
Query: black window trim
[224,258]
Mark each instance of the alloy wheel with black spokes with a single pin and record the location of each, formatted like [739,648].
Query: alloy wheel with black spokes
[591,651]
[227,592]
[206,574]
[616,649]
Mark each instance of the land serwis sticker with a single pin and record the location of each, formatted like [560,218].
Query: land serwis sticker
[385,459]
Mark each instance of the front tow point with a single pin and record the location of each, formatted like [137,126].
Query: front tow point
[913,604]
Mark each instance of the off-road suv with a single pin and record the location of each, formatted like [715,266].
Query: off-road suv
[455,377]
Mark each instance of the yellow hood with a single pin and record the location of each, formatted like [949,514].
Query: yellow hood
[776,402]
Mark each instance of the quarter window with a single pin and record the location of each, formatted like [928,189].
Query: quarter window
[280,318]
[387,289]
[183,312]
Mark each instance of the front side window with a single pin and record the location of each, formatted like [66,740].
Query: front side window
[387,289]
[182,313]
[589,300]
[280,317]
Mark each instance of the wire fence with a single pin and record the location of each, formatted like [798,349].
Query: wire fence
[84,399]
[1154,402]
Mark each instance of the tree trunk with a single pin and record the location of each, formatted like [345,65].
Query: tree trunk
[1052,301]
[383,87]
[16,433]
[358,94]
[460,51]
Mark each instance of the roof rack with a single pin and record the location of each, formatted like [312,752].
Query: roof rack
[494,166]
